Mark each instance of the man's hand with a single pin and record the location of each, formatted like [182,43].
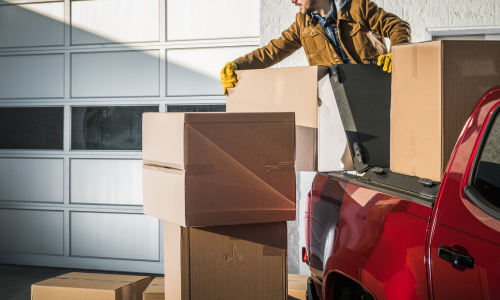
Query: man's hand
[227,76]
[386,60]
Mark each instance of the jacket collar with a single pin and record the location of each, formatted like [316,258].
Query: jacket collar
[339,4]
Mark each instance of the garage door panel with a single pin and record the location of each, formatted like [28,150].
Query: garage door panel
[115,74]
[197,71]
[30,25]
[32,231]
[31,180]
[215,15]
[114,235]
[99,181]
[114,21]
[32,76]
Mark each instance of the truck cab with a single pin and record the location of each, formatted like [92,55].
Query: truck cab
[383,235]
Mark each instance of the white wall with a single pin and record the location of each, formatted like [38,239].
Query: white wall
[277,16]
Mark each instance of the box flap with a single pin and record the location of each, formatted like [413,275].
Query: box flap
[159,186]
[163,139]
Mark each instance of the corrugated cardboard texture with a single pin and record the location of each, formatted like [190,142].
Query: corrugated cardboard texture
[466,78]
[239,170]
[229,262]
[155,290]
[84,286]
[436,85]
[283,90]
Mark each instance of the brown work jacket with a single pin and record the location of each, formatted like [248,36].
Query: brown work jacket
[362,27]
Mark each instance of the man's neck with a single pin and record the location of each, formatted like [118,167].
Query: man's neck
[324,7]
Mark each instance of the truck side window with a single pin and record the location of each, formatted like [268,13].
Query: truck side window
[487,176]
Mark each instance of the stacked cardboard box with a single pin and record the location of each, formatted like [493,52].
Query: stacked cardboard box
[224,184]
[436,86]
[83,286]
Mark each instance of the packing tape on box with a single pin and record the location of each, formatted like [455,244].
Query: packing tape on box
[282,166]
[94,279]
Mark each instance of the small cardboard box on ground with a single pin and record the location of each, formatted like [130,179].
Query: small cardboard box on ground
[219,168]
[84,286]
[435,87]
[321,143]
[244,262]
[155,290]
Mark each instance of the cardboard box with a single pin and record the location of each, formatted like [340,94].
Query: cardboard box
[321,144]
[155,290]
[435,87]
[244,262]
[84,286]
[219,168]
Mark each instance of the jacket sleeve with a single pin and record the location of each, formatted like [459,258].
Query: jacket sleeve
[274,52]
[386,24]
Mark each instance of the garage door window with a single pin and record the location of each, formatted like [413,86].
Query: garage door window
[33,128]
[108,127]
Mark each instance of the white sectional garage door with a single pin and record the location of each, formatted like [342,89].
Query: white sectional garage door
[75,78]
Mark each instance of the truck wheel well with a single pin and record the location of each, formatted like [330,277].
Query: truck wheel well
[340,287]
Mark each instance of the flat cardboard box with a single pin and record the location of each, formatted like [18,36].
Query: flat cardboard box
[219,168]
[155,290]
[244,262]
[84,286]
[435,87]
[321,143]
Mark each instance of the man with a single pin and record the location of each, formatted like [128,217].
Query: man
[331,32]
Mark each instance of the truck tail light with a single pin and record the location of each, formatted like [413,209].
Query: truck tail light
[304,256]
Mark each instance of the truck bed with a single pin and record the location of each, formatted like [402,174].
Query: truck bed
[399,185]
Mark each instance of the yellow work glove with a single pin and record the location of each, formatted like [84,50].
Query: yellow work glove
[227,76]
[386,60]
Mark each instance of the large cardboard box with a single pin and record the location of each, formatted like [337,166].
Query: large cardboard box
[219,168]
[84,286]
[155,290]
[435,87]
[321,143]
[244,262]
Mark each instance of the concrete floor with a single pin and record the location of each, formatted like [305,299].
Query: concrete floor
[16,281]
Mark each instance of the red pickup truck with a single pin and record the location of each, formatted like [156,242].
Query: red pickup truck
[390,236]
